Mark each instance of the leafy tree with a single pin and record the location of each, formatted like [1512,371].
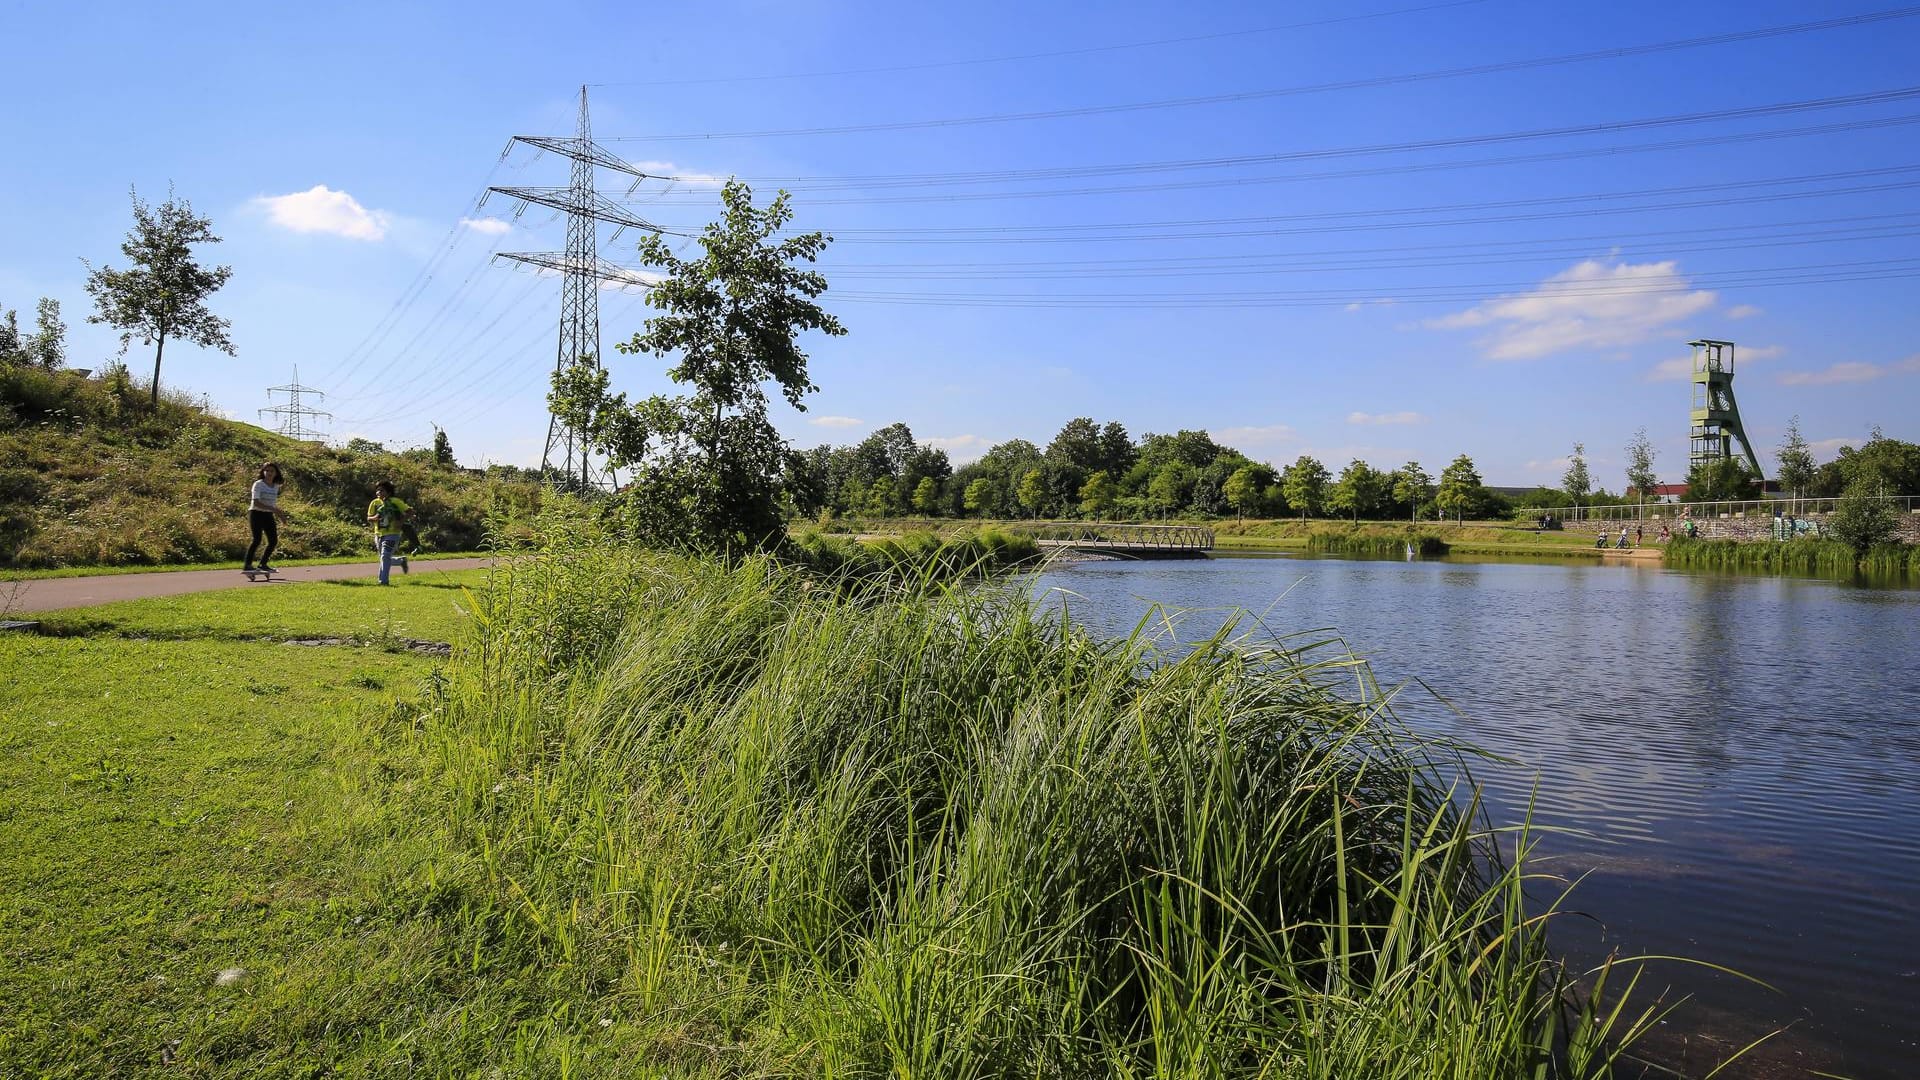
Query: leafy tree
[926,495]
[1864,517]
[882,498]
[981,496]
[1246,488]
[1412,486]
[163,291]
[442,448]
[1728,478]
[1576,480]
[1359,490]
[707,464]
[10,353]
[1796,462]
[1892,462]
[1116,450]
[48,346]
[1304,483]
[1033,491]
[1171,486]
[1097,495]
[1078,444]
[1640,475]
[1460,488]
[358,445]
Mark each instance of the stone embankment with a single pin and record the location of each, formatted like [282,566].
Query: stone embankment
[1731,527]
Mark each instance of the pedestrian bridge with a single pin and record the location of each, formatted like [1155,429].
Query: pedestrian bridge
[1123,541]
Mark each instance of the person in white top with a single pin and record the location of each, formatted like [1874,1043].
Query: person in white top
[263,510]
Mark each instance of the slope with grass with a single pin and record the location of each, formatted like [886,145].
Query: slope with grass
[663,816]
[91,474]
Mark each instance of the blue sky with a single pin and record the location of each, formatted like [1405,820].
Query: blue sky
[1282,268]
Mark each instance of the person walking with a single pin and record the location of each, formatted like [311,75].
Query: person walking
[386,513]
[264,514]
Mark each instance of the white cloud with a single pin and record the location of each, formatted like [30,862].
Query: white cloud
[1591,305]
[320,209]
[1680,368]
[669,169]
[1254,436]
[1827,447]
[1358,304]
[834,421]
[488,226]
[1743,311]
[1852,371]
[960,448]
[1385,418]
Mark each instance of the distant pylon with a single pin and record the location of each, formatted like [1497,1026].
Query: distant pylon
[566,462]
[293,415]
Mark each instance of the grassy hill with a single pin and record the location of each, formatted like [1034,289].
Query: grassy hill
[93,474]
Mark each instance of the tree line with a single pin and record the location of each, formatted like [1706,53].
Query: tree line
[1095,470]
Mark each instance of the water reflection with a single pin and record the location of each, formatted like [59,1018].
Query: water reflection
[1743,753]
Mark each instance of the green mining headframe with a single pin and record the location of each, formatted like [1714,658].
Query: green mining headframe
[1716,417]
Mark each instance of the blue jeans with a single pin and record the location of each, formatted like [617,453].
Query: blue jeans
[389,554]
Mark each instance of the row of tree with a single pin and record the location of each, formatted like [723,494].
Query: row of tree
[1097,470]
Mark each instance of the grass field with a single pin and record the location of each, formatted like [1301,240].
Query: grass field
[186,796]
[658,817]
[13,574]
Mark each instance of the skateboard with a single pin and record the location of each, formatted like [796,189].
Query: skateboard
[260,575]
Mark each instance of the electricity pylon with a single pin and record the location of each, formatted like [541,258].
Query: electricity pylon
[1716,416]
[566,461]
[293,415]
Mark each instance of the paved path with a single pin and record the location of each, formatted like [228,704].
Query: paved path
[51,594]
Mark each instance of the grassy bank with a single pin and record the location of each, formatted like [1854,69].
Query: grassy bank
[658,817]
[1827,557]
[93,475]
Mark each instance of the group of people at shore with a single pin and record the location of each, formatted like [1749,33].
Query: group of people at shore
[390,517]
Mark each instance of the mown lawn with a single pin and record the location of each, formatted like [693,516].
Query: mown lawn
[186,795]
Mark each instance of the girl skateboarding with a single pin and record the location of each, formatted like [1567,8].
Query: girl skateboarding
[263,512]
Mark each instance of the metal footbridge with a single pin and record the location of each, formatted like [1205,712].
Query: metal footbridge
[1121,540]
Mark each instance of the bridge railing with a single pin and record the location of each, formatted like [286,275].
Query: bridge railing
[1119,535]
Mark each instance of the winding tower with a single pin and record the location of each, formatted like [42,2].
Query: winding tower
[1716,416]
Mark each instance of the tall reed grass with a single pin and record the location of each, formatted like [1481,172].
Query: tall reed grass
[1374,540]
[737,824]
[1827,557]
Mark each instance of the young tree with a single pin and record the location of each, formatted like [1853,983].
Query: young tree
[926,495]
[1171,487]
[1304,483]
[883,498]
[1412,485]
[1862,517]
[1358,491]
[442,448]
[1796,462]
[1247,487]
[1728,478]
[1640,475]
[1033,491]
[708,463]
[163,291]
[1460,488]
[48,346]
[981,496]
[11,352]
[1097,495]
[1576,480]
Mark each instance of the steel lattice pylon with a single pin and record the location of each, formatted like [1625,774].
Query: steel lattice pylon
[567,460]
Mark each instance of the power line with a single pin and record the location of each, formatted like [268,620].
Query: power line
[1085,51]
[1290,91]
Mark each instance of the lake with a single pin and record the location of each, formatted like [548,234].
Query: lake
[1740,756]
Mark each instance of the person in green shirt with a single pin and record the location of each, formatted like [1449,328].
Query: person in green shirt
[387,514]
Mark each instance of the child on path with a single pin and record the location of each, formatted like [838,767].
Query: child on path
[386,513]
[263,511]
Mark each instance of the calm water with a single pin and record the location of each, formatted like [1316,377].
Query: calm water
[1741,753]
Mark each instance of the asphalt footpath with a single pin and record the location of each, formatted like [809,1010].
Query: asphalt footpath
[52,594]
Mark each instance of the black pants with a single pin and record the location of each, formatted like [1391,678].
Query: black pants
[263,525]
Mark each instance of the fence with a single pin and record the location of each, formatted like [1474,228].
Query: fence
[1816,509]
